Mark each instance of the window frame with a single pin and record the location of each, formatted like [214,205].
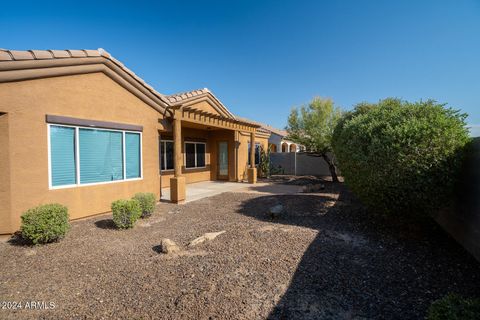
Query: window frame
[185,155]
[163,143]
[77,157]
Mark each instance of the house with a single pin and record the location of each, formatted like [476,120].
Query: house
[278,141]
[79,128]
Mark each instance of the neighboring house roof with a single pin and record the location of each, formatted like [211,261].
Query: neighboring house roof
[282,133]
[266,127]
[260,129]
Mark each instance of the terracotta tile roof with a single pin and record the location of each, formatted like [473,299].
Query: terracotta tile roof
[185,96]
[177,97]
[15,55]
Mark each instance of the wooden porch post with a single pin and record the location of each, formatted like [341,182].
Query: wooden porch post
[177,147]
[177,183]
[252,150]
[252,171]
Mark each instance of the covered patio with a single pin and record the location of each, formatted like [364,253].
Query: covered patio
[203,142]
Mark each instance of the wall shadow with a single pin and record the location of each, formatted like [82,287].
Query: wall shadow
[362,266]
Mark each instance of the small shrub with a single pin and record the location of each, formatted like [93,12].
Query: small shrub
[454,307]
[44,224]
[399,157]
[126,213]
[147,203]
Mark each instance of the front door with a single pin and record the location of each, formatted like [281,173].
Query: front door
[222,171]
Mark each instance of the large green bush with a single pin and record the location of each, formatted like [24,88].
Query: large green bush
[400,157]
[46,223]
[454,307]
[126,213]
[147,203]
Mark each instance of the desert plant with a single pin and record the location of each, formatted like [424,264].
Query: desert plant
[313,125]
[264,165]
[401,157]
[126,213]
[454,307]
[147,203]
[45,223]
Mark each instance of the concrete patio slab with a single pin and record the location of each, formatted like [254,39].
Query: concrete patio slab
[205,189]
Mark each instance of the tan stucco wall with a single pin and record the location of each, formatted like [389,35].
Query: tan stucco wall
[89,96]
[4,175]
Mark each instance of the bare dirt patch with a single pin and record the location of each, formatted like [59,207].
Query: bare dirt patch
[324,257]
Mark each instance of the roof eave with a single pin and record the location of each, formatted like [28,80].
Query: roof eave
[28,69]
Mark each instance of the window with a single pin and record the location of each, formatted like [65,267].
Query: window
[257,153]
[82,156]
[166,155]
[132,155]
[62,156]
[101,155]
[195,154]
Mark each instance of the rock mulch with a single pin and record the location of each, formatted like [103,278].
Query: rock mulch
[323,257]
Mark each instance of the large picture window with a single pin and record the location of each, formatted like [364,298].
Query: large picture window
[101,155]
[195,155]
[82,156]
[166,155]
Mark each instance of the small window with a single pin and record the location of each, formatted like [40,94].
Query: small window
[166,155]
[200,154]
[62,156]
[190,155]
[132,155]
[195,154]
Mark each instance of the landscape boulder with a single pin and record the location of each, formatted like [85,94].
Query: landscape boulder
[206,237]
[276,210]
[168,246]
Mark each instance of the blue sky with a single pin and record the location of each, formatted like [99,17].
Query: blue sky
[261,58]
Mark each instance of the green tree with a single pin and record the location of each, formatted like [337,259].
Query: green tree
[312,125]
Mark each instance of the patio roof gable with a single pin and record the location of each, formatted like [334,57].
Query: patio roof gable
[202,99]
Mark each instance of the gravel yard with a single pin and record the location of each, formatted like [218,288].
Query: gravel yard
[323,257]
